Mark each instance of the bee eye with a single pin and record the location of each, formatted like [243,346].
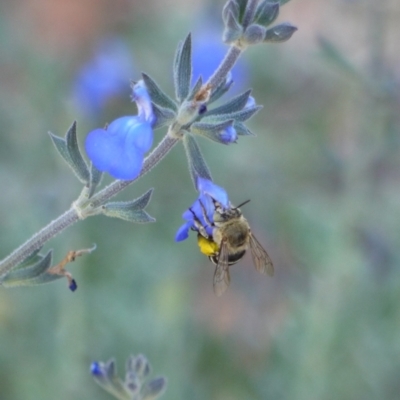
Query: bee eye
[202,109]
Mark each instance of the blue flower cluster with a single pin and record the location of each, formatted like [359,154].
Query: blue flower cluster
[120,147]
[203,208]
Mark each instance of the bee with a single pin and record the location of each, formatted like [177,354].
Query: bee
[231,237]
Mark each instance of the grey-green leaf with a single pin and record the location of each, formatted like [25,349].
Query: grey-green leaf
[233,30]
[195,88]
[95,179]
[112,384]
[183,70]
[230,6]
[154,389]
[242,129]
[235,104]
[164,116]
[138,365]
[157,95]
[266,12]
[61,145]
[78,163]
[241,116]
[221,89]
[132,211]
[242,7]
[254,34]
[280,33]
[27,276]
[69,150]
[33,258]
[211,131]
[197,164]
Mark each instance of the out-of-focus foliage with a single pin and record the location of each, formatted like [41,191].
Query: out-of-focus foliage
[323,175]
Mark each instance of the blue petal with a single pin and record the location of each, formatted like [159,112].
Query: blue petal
[229,135]
[209,206]
[183,232]
[109,153]
[197,209]
[251,102]
[96,369]
[218,193]
[188,215]
[143,102]
[138,133]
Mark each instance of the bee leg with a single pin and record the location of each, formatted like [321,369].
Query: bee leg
[206,219]
[198,225]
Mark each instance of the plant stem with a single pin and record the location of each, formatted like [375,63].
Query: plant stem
[71,216]
[149,163]
[38,240]
[226,65]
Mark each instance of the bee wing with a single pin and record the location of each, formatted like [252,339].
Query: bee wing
[261,259]
[221,275]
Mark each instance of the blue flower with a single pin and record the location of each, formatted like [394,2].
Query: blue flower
[119,148]
[202,210]
[251,102]
[97,369]
[104,76]
[229,135]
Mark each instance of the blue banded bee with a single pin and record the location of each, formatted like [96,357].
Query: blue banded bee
[231,237]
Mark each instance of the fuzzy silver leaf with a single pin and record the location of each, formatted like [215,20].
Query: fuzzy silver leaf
[31,259]
[132,211]
[220,90]
[28,276]
[240,116]
[164,116]
[235,104]
[157,95]
[211,130]
[242,7]
[243,130]
[233,30]
[197,164]
[69,150]
[154,389]
[183,69]
[230,6]
[139,365]
[266,13]
[280,33]
[79,164]
[254,34]
[95,179]
[195,88]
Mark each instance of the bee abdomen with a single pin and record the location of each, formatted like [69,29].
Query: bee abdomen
[232,258]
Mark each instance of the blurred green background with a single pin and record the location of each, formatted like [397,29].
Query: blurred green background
[323,175]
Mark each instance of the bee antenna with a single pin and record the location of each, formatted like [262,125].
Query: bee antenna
[242,204]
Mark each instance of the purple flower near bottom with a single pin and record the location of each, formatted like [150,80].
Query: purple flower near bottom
[203,208]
